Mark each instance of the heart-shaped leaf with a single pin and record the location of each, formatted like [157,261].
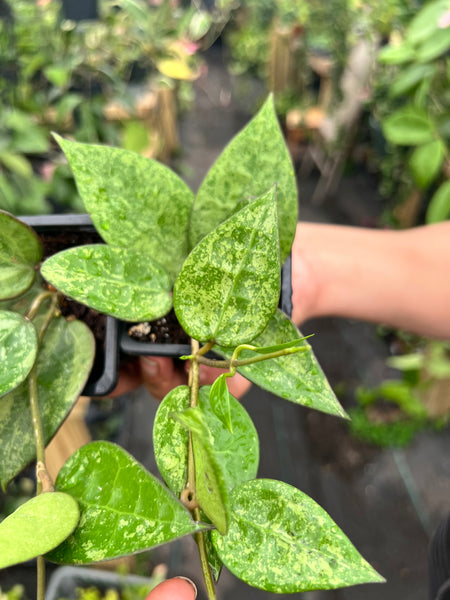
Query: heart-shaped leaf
[20,252]
[281,541]
[18,349]
[63,366]
[297,377]
[123,283]
[210,485]
[36,527]
[134,202]
[229,285]
[170,440]
[251,163]
[124,508]
[409,126]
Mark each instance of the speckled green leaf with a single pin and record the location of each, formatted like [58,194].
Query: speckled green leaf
[229,285]
[214,561]
[133,201]
[124,508]
[239,452]
[210,485]
[63,365]
[120,282]
[36,527]
[219,400]
[170,439]
[20,252]
[297,377]
[252,162]
[18,349]
[281,541]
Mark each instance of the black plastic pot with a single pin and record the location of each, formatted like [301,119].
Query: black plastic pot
[104,375]
[65,581]
[128,345]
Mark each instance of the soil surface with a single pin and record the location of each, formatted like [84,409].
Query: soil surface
[166,330]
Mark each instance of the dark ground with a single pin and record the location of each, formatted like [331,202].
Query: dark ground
[388,502]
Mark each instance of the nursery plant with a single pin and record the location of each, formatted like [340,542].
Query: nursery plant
[215,257]
[415,118]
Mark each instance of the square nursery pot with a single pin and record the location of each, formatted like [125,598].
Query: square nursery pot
[167,327]
[63,231]
[65,581]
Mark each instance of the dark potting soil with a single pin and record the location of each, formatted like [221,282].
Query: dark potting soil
[165,330]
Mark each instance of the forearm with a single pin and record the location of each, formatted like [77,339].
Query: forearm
[400,278]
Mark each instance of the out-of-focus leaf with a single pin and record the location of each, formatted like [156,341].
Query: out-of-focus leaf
[37,526]
[18,350]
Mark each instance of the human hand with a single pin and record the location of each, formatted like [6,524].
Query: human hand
[178,588]
[160,375]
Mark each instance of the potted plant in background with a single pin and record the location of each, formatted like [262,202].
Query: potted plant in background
[120,79]
[414,120]
[221,253]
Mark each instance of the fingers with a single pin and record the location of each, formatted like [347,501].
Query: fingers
[129,378]
[160,375]
[179,588]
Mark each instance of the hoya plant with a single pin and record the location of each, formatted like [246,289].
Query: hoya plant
[215,258]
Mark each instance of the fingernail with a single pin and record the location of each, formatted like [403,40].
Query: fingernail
[151,367]
[194,587]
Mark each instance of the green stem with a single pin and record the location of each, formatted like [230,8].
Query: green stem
[194,383]
[40,588]
[37,424]
[206,570]
[235,364]
[43,480]
[37,302]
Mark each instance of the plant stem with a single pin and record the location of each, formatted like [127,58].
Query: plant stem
[40,588]
[194,384]
[36,304]
[235,364]
[43,481]
[206,570]
[37,424]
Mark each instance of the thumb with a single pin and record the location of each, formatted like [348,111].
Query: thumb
[178,588]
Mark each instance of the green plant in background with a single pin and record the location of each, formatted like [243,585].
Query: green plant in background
[58,74]
[419,104]
[221,253]
[394,411]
